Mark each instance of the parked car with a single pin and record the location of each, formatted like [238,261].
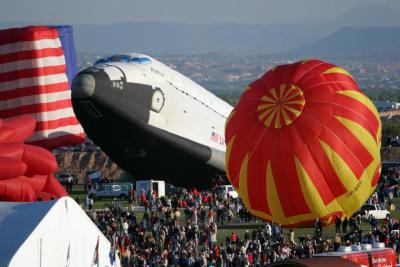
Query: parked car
[113,190]
[171,190]
[63,178]
[395,142]
[368,211]
[223,189]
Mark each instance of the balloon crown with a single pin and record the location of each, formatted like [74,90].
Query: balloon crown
[281,106]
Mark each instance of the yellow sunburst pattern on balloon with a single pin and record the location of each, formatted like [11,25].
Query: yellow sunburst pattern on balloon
[281,106]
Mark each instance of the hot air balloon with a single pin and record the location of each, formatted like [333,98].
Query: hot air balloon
[303,143]
[25,170]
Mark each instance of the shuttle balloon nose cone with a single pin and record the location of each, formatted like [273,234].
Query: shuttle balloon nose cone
[83,86]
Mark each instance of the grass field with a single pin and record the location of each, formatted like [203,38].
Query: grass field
[226,230]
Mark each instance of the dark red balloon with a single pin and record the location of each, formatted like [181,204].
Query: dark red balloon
[26,171]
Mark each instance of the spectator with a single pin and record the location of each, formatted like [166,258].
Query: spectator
[318,228]
[70,183]
[142,197]
[344,225]
[338,224]
[291,236]
[336,243]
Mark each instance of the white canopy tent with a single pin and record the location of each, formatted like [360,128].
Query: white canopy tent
[52,233]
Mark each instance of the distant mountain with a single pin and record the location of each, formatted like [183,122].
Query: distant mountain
[356,40]
[181,38]
[177,38]
[360,16]
[368,16]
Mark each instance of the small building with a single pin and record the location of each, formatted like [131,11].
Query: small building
[150,186]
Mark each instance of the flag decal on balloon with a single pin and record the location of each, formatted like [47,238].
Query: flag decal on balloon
[303,143]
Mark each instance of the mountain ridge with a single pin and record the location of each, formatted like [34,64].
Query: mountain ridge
[356,40]
[285,37]
[181,38]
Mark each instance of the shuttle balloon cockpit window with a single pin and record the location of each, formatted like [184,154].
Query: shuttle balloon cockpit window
[124,59]
[141,60]
[100,61]
[119,58]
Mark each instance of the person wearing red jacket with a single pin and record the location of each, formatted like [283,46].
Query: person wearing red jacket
[234,237]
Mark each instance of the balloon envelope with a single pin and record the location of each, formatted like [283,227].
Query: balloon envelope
[25,170]
[303,143]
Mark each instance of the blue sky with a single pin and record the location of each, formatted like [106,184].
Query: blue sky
[188,11]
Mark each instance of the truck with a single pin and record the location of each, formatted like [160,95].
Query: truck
[369,211]
[366,255]
[150,186]
[227,189]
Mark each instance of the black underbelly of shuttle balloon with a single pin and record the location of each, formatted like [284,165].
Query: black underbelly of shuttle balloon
[117,121]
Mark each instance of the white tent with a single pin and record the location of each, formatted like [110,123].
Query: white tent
[48,234]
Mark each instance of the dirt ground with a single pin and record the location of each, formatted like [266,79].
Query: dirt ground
[81,162]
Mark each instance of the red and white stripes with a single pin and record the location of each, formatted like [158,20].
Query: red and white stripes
[33,81]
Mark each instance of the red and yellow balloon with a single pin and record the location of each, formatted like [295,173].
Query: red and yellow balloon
[303,143]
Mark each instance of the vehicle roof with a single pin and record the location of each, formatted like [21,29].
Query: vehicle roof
[337,253]
[117,183]
[150,181]
[316,262]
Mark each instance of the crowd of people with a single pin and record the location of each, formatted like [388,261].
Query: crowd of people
[181,230]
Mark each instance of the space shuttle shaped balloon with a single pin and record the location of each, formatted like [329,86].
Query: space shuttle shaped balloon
[151,120]
[37,64]
[304,143]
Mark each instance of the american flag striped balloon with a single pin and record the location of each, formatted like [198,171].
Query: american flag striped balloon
[36,65]
[303,143]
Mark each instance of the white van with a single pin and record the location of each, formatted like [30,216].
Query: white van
[114,190]
[223,189]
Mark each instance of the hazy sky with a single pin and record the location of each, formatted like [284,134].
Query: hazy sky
[199,11]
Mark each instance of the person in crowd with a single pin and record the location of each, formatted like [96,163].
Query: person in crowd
[318,227]
[338,224]
[291,236]
[143,197]
[336,242]
[70,182]
[344,225]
